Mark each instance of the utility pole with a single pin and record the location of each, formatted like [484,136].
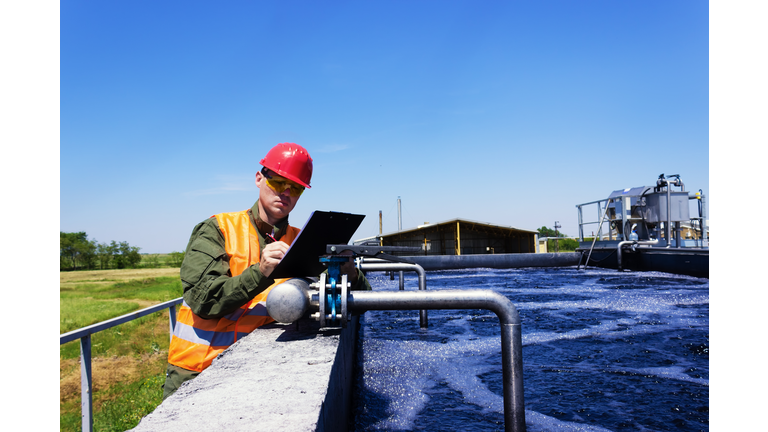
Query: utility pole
[400,228]
[399,216]
[557,237]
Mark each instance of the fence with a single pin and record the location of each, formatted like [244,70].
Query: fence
[84,334]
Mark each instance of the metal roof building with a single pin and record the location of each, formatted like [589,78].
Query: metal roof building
[461,237]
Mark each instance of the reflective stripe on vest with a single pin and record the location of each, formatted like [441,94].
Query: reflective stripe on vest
[197,341]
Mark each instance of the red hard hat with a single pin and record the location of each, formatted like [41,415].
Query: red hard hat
[291,161]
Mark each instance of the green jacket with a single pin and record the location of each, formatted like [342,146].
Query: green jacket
[209,289]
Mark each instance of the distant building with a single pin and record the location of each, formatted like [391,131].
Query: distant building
[689,231]
[460,237]
[543,244]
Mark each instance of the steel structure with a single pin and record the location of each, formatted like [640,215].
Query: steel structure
[645,230]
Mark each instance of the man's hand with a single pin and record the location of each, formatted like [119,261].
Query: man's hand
[348,268]
[271,255]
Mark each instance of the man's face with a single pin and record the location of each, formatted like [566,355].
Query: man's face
[275,195]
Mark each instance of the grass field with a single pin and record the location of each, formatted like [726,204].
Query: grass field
[129,360]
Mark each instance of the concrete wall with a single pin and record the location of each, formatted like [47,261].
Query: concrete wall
[280,377]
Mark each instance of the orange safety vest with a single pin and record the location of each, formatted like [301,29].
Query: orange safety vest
[197,341]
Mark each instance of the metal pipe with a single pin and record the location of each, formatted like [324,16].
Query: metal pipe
[626,211]
[376,264]
[289,301]
[632,242]
[511,332]
[704,239]
[667,225]
[667,228]
[699,219]
[401,281]
[618,252]
[678,238]
[509,260]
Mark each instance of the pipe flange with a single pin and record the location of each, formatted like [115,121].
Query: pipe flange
[321,300]
[344,292]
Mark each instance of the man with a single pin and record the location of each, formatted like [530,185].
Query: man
[227,266]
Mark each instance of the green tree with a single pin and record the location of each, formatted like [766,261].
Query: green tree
[66,248]
[76,251]
[117,257]
[131,254]
[88,256]
[548,232]
[125,255]
[104,252]
[563,245]
[151,261]
[175,259]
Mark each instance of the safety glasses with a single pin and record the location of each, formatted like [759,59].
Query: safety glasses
[279,184]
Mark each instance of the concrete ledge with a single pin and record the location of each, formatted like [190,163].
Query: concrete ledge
[516,260]
[279,377]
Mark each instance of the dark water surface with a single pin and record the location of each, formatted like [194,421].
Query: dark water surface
[602,350]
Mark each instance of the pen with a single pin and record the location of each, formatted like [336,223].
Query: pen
[271,236]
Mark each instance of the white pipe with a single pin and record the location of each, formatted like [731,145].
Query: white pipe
[632,242]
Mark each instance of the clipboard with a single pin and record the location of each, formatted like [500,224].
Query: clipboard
[322,228]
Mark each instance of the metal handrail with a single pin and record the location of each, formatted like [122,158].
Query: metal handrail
[84,334]
[601,215]
[599,230]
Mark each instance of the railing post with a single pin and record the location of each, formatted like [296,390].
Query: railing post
[172,318]
[86,384]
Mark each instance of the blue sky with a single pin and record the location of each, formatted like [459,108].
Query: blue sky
[503,112]
[510,113]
